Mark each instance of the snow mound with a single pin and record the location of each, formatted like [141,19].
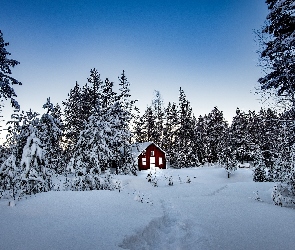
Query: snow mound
[168,232]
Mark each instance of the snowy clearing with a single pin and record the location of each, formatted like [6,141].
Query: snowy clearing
[210,212]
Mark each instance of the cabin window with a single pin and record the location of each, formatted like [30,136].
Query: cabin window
[144,161]
[143,152]
[152,153]
[160,160]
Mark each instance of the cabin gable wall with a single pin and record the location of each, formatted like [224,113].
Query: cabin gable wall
[144,157]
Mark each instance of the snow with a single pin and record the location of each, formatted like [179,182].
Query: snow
[138,148]
[210,212]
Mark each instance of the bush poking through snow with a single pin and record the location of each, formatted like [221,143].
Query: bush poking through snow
[257,197]
[282,196]
[170,181]
[188,180]
[149,177]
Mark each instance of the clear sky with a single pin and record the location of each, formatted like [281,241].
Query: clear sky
[205,47]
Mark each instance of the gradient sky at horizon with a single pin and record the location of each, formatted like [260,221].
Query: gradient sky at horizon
[205,47]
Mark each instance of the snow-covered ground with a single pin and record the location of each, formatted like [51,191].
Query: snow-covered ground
[211,212]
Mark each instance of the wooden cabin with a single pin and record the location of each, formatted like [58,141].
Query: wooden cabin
[149,155]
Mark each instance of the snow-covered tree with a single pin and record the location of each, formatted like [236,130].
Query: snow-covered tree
[138,128]
[183,150]
[6,80]
[240,136]
[228,154]
[277,56]
[10,179]
[268,136]
[150,126]
[201,139]
[124,110]
[10,171]
[92,153]
[18,132]
[171,124]
[105,140]
[51,130]
[73,116]
[35,175]
[158,113]
[26,141]
[259,173]
[216,129]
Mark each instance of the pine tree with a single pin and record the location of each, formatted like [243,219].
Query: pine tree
[148,124]
[171,124]
[183,150]
[73,116]
[202,139]
[18,132]
[105,140]
[10,171]
[138,128]
[158,114]
[268,138]
[28,153]
[228,154]
[6,80]
[92,153]
[259,173]
[125,115]
[51,130]
[240,136]
[216,129]
[10,179]
[35,175]
[92,93]
[277,56]
[79,107]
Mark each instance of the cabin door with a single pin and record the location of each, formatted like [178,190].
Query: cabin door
[152,163]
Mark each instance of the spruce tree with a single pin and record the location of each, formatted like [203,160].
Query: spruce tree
[51,129]
[125,115]
[158,113]
[171,123]
[6,80]
[201,139]
[216,129]
[240,136]
[149,125]
[73,116]
[228,154]
[183,150]
[277,52]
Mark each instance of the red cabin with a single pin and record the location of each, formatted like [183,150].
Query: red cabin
[149,155]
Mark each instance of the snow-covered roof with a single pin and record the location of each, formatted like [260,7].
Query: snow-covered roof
[138,148]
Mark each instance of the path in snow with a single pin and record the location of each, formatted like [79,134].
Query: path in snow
[168,232]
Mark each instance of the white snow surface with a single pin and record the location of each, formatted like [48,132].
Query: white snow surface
[210,212]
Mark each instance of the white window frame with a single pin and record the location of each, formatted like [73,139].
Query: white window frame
[143,161]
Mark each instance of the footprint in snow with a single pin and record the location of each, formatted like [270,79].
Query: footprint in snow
[168,232]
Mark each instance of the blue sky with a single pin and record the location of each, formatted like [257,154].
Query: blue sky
[205,47]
